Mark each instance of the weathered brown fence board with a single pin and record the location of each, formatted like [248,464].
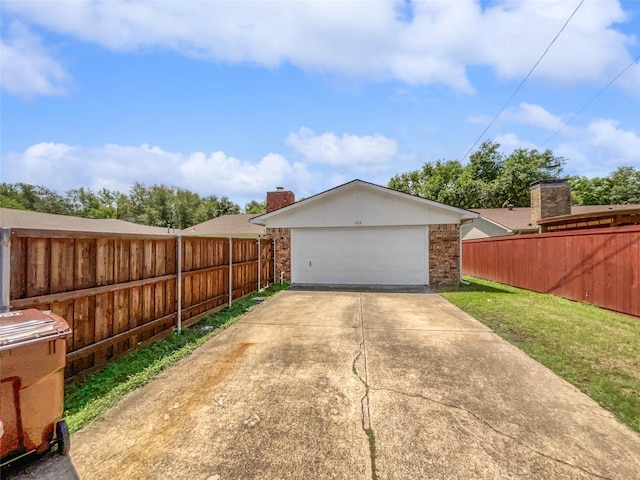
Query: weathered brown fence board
[599,266]
[118,291]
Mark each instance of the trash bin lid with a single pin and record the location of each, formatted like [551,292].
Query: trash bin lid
[29,326]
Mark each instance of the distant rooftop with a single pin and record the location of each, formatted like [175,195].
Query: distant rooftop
[228,226]
[13,218]
[519,218]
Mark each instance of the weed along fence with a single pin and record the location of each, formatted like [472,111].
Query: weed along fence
[599,266]
[119,292]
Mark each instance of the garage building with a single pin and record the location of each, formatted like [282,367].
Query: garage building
[360,233]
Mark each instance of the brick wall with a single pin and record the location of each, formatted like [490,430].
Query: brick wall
[444,254]
[279,199]
[550,198]
[282,237]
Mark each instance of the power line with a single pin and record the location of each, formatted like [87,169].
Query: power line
[591,101]
[523,81]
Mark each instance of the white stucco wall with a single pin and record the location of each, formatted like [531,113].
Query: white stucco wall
[481,228]
[362,206]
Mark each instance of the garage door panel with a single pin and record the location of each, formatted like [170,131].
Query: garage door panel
[378,256]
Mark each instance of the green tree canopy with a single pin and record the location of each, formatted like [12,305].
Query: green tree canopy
[34,197]
[157,205]
[256,207]
[622,186]
[489,180]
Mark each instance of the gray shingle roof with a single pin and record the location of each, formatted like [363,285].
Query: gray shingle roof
[12,218]
[228,226]
[519,218]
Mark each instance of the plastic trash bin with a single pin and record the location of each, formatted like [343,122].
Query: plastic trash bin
[32,360]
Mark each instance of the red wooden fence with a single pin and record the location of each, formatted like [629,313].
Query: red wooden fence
[599,266]
[119,291]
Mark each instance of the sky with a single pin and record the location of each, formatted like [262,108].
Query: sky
[237,98]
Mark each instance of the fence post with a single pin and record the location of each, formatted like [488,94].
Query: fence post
[230,272]
[5,264]
[179,286]
[259,263]
[273,252]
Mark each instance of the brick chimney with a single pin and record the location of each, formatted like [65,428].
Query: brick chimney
[282,236]
[550,198]
[279,199]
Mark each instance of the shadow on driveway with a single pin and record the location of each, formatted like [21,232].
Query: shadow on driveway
[49,466]
[307,287]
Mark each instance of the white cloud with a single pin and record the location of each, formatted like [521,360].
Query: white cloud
[594,150]
[434,45]
[510,142]
[218,172]
[588,50]
[534,115]
[368,152]
[622,146]
[62,167]
[28,69]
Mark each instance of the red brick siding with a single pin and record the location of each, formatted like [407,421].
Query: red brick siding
[282,237]
[444,254]
[279,199]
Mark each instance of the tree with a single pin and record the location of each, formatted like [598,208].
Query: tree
[485,164]
[8,202]
[489,180]
[157,205]
[435,181]
[85,203]
[187,208]
[255,207]
[590,191]
[625,185]
[34,197]
[521,169]
[620,187]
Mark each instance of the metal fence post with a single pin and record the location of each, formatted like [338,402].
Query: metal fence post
[5,264]
[259,264]
[179,287]
[230,272]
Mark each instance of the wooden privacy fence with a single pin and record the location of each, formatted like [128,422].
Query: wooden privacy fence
[118,291]
[599,266]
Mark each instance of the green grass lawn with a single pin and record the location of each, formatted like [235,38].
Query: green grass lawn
[596,350]
[89,399]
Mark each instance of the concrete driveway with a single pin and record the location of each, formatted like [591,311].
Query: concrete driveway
[353,385]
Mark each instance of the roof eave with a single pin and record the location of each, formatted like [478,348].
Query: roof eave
[464,214]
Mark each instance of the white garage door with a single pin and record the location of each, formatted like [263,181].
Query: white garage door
[360,256]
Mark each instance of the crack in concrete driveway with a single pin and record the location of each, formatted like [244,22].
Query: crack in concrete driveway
[288,391]
[491,427]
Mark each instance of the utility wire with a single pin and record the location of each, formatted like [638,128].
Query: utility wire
[591,101]
[523,81]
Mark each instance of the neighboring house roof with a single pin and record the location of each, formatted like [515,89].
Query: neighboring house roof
[363,203]
[13,218]
[581,209]
[228,226]
[604,218]
[519,218]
